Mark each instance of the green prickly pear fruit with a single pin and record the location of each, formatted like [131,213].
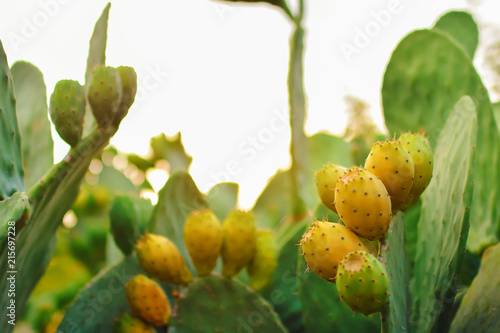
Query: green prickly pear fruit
[326,180]
[161,260]
[326,244]
[362,283]
[421,153]
[392,163]
[128,78]
[67,110]
[148,300]
[238,241]
[265,261]
[130,324]
[105,94]
[203,239]
[363,203]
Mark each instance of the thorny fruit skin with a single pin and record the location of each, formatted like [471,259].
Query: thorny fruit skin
[67,110]
[203,239]
[161,260]
[423,157]
[239,241]
[326,180]
[105,94]
[128,79]
[324,246]
[130,324]
[392,163]
[265,261]
[148,300]
[363,203]
[362,283]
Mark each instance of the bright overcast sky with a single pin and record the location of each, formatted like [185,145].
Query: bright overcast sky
[216,71]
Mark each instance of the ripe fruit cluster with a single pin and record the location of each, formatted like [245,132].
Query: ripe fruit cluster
[394,176]
[236,240]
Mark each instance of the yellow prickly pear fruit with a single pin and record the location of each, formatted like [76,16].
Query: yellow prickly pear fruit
[203,239]
[421,153]
[326,180]
[238,241]
[326,244]
[363,203]
[130,324]
[265,261]
[148,300]
[392,163]
[161,260]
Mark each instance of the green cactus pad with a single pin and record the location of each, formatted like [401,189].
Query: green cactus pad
[67,110]
[444,221]
[322,309]
[462,28]
[128,217]
[176,200]
[217,304]
[12,210]
[478,311]
[103,299]
[395,315]
[427,74]
[96,57]
[34,124]
[11,163]
[222,198]
[172,150]
[496,112]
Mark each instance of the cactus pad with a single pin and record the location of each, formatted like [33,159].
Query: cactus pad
[216,304]
[12,210]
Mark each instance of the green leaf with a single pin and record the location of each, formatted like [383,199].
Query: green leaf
[97,56]
[11,163]
[217,304]
[479,306]
[462,28]
[34,125]
[396,313]
[428,72]
[444,221]
[172,150]
[222,198]
[176,200]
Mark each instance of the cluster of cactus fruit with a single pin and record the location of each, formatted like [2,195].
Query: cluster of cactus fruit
[394,176]
[110,94]
[236,241]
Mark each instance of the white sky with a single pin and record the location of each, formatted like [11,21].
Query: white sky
[217,72]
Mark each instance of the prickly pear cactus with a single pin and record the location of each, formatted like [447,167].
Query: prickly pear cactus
[326,180]
[479,308]
[217,304]
[363,203]
[161,259]
[462,28]
[239,240]
[148,300]
[13,210]
[105,94]
[392,163]
[265,260]
[67,110]
[128,80]
[362,282]
[444,221]
[203,239]
[324,246]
